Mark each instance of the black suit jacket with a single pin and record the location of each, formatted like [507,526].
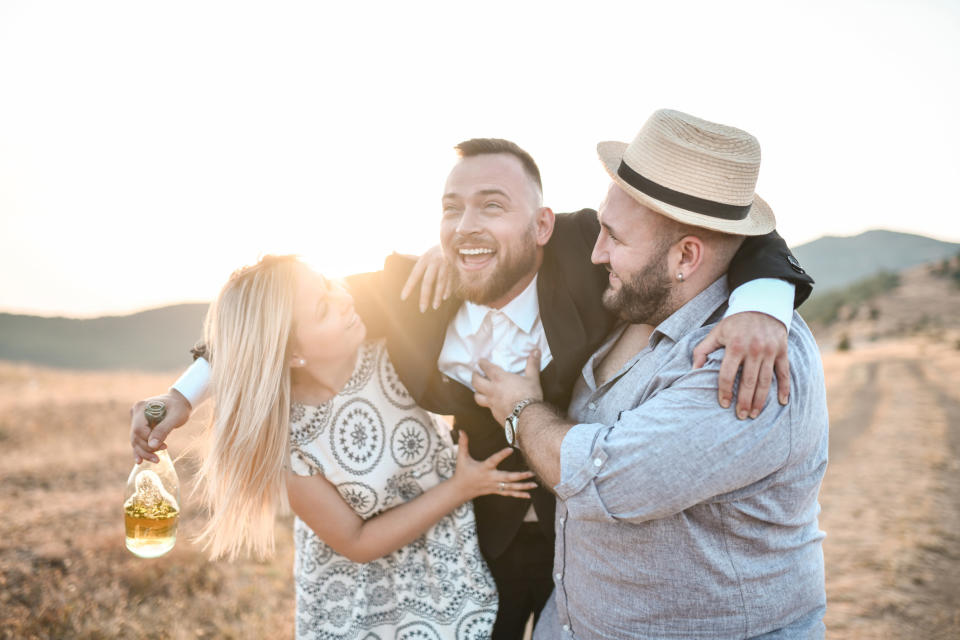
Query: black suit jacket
[569,290]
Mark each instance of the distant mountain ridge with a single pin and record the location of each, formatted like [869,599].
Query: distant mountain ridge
[154,340]
[835,261]
[159,339]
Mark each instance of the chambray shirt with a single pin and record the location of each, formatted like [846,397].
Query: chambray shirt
[674,518]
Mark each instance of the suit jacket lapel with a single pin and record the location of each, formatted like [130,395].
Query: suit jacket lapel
[562,325]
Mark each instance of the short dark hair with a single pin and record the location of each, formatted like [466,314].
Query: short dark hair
[486,146]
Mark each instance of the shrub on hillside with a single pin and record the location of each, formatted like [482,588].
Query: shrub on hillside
[844,343]
[825,308]
[948,268]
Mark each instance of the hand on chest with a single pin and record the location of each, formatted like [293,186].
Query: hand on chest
[494,336]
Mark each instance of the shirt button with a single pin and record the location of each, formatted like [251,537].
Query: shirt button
[566,628]
[562,520]
[558,576]
[592,406]
[597,462]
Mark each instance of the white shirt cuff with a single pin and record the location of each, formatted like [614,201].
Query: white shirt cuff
[771,296]
[193,384]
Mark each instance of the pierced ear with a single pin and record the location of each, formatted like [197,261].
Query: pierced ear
[296,361]
[691,254]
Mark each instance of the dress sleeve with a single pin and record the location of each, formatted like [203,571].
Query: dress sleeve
[306,425]
[304,464]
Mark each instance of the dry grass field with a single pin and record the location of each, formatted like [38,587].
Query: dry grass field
[891,510]
[891,497]
[64,569]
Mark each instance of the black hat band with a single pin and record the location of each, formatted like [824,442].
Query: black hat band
[682,200]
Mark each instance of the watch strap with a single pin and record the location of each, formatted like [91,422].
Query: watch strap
[513,420]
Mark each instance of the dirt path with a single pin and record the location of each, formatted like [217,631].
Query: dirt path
[891,510]
[854,419]
[891,497]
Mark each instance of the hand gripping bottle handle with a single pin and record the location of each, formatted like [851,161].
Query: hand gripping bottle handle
[151,509]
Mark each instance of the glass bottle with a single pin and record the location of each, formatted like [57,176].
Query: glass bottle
[151,509]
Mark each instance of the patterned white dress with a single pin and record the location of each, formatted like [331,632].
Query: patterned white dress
[379,449]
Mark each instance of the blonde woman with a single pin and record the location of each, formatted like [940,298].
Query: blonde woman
[306,410]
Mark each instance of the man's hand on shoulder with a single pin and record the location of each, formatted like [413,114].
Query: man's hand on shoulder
[144,440]
[434,276]
[756,343]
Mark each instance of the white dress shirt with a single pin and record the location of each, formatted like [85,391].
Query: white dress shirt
[504,336]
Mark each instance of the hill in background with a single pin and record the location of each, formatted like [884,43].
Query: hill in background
[864,289]
[920,301]
[836,261]
[154,340]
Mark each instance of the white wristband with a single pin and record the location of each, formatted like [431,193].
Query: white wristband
[771,296]
[193,384]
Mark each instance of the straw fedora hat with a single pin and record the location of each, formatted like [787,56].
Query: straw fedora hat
[697,172]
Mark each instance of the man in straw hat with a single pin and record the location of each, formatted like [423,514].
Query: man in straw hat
[675,518]
[525,279]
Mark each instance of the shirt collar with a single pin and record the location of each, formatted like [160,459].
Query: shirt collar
[695,313]
[523,310]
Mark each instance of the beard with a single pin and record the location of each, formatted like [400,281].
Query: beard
[516,263]
[646,296]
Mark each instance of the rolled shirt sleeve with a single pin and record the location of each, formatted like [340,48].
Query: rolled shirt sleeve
[677,449]
[581,460]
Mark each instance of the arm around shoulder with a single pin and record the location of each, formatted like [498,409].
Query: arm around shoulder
[376,295]
[769,257]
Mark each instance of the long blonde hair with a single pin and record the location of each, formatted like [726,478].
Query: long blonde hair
[247,332]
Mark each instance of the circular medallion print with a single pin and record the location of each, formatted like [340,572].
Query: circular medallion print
[409,442]
[357,436]
[297,411]
[476,626]
[417,631]
[366,362]
[446,463]
[307,422]
[311,551]
[359,496]
[403,486]
[393,389]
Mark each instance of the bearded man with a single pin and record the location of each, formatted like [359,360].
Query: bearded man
[525,281]
[676,518]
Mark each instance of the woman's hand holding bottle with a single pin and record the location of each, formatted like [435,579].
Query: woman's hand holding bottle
[142,436]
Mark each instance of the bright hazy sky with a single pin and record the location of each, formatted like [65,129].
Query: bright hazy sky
[149,148]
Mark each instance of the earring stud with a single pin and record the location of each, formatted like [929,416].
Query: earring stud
[680,276]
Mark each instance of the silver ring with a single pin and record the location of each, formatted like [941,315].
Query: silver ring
[502,487]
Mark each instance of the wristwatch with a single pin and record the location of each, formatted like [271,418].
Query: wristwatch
[510,426]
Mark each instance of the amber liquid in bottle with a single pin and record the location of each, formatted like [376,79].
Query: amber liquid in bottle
[151,511]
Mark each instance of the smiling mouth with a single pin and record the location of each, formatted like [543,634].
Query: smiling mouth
[475,257]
